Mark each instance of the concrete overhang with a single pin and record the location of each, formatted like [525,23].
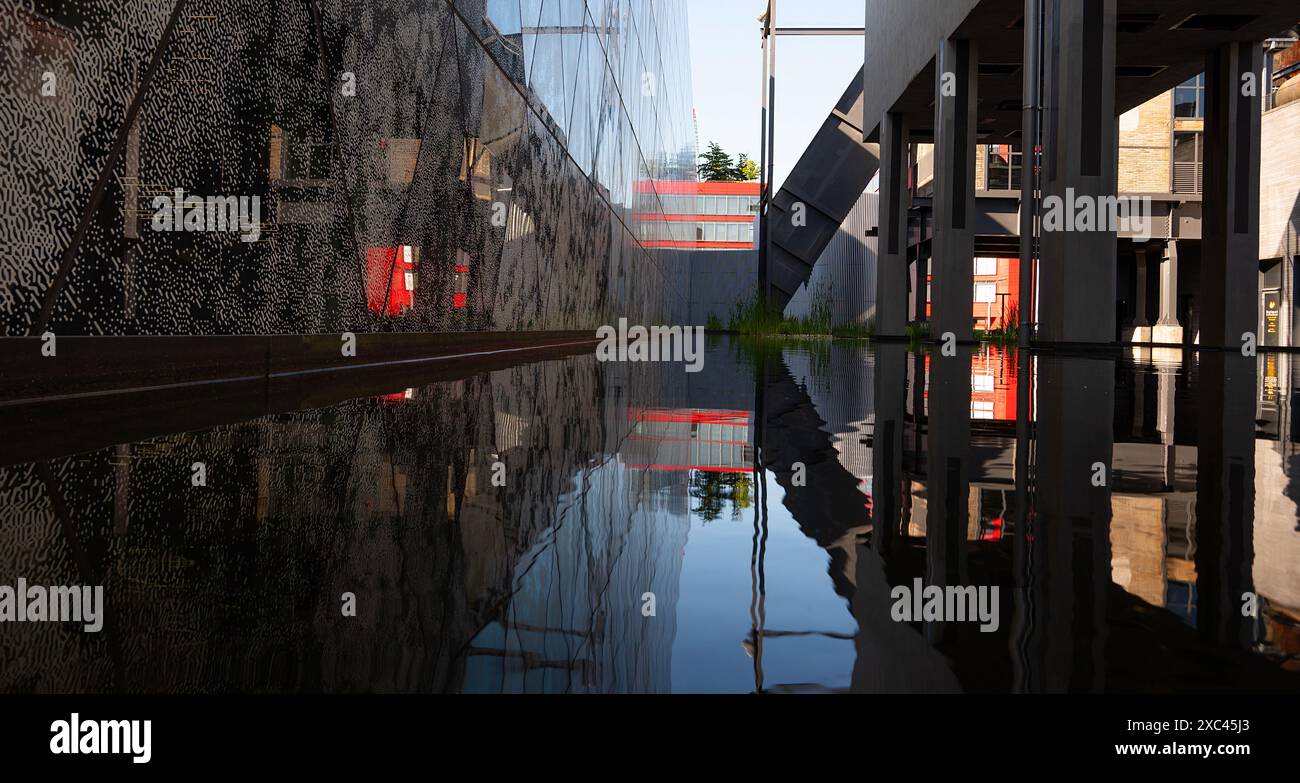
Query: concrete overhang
[997,220]
[1160,44]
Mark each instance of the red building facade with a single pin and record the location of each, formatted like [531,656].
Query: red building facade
[696,215]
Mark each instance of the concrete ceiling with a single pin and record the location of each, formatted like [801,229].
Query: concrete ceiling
[1152,57]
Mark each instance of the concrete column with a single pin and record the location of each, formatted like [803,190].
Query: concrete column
[1141,324]
[920,272]
[1230,226]
[955,120]
[1167,328]
[891,266]
[1077,279]
[1141,310]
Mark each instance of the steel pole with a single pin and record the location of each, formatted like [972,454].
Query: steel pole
[762,169]
[1029,157]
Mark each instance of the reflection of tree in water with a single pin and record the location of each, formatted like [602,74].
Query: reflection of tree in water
[713,489]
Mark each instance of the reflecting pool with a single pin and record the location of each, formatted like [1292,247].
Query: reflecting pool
[574,526]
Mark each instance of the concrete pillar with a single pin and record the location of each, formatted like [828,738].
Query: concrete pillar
[1140,318]
[920,272]
[1077,279]
[955,121]
[891,266]
[1141,323]
[1167,329]
[1230,226]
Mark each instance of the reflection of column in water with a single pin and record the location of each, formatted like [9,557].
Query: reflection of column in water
[1022,575]
[1071,547]
[947,474]
[887,446]
[1225,502]
[1165,424]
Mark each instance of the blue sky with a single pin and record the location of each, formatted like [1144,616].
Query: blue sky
[727,68]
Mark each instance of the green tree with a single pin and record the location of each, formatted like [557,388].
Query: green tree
[746,169]
[716,165]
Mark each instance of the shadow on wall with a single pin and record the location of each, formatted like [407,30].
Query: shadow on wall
[846,270]
[721,280]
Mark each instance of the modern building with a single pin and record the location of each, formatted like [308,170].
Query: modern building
[481,175]
[697,215]
[1172,96]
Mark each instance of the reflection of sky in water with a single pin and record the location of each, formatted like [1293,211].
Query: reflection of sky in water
[713,616]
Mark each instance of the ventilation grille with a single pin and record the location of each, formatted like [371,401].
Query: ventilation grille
[1188,177]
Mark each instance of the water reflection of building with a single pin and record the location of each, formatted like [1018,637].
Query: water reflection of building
[574,618]
[689,440]
[394,498]
[1196,504]
[841,386]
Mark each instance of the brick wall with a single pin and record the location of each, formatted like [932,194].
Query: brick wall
[1144,147]
[1279,182]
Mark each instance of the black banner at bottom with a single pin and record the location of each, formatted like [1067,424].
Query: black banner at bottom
[331,733]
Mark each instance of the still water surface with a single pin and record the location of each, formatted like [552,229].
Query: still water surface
[572,526]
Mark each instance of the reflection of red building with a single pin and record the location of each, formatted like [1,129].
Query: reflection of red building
[460,281]
[993,383]
[696,215]
[390,279]
[689,439]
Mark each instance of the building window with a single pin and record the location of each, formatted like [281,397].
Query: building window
[986,267]
[1189,99]
[1002,167]
[986,293]
[1189,157]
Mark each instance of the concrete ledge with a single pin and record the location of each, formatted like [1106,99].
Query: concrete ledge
[197,394]
[85,367]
